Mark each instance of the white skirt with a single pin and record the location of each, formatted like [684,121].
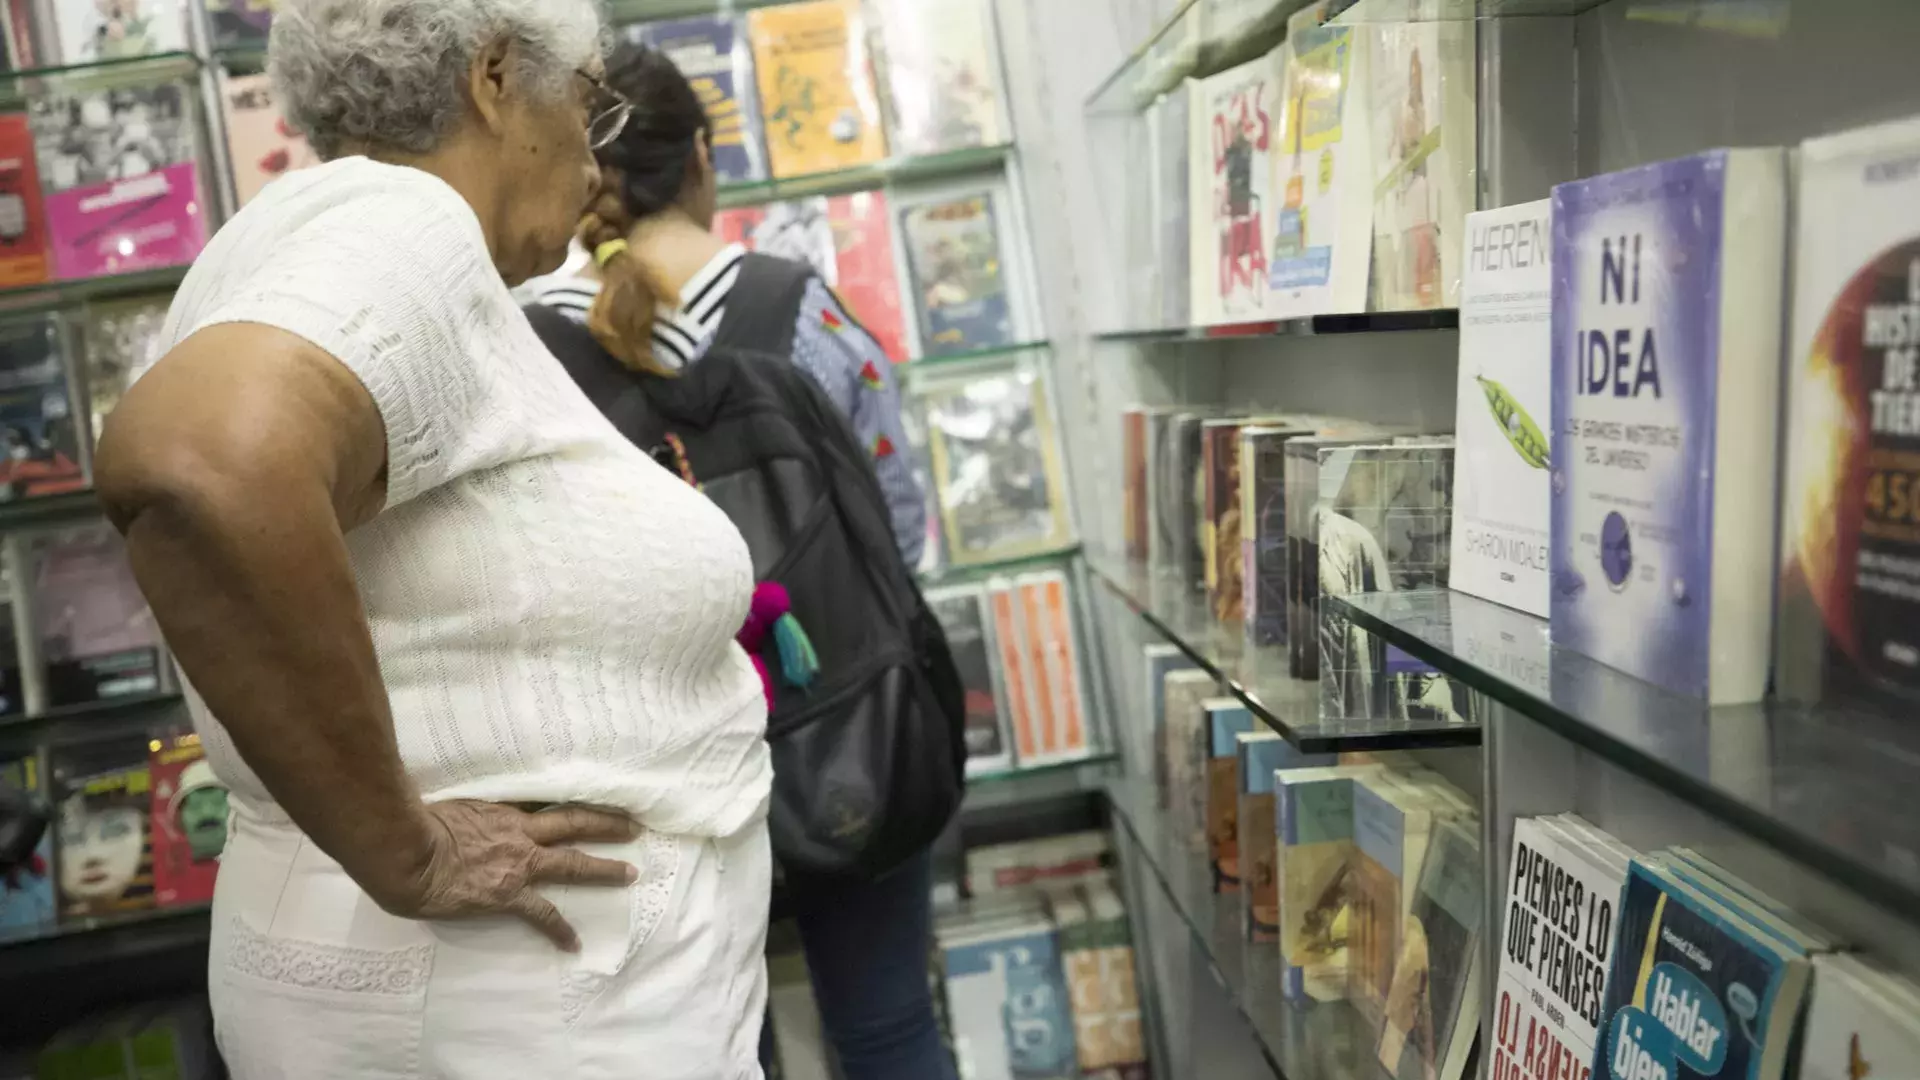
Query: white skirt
[310,980]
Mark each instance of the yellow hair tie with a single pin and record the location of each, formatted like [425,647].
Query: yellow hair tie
[604,254]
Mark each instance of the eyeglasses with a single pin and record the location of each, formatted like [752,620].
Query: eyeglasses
[608,113]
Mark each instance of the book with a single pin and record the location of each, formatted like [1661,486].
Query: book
[943,85]
[1558,924]
[1159,543]
[962,611]
[1227,720]
[26,887]
[1421,93]
[261,144]
[1861,1022]
[1182,719]
[23,217]
[88,31]
[1303,495]
[1505,394]
[104,849]
[188,821]
[1433,1005]
[959,283]
[1664,436]
[44,452]
[1695,990]
[1011,868]
[1313,860]
[97,636]
[1135,522]
[1169,142]
[1007,1000]
[120,179]
[1161,661]
[817,99]
[1260,754]
[1233,179]
[1106,992]
[240,24]
[800,230]
[1263,532]
[864,278]
[1384,516]
[116,339]
[1015,664]
[1177,494]
[996,466]
[714,56]
[1220,517]
[1392,823]
[1850,527]
[1060,731]
[1322,221]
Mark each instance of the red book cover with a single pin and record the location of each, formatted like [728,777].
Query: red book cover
[736,226]
[23,222]
[189,822]
[868,285]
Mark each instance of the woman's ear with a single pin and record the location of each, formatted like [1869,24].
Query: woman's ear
[488,82]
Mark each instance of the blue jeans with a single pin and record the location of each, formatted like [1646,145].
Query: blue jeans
[867,947]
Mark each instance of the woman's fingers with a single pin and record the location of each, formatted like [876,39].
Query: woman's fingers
[538,913]
[579,825]
[571,866]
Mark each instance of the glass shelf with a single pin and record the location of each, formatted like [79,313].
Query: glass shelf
[922,363]
[866,177]
[121,717]
[1369,322]
[66,945]
[1301,1040]
[1367,12]
[1258,675]
[1827,787]
[955,575]
[49,294]
[1043,783]
[620,12]
[1170,53]
[120,71]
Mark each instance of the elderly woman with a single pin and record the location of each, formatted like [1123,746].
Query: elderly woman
[462,653]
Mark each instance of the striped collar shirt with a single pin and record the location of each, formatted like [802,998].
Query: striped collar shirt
[680,334]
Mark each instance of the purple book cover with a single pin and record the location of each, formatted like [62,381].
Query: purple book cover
[1636,353]
[140,223]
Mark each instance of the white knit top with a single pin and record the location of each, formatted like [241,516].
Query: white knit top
[553,612]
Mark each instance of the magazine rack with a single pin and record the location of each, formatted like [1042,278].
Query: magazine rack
[1805,802]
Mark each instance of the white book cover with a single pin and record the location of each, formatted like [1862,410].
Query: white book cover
[1421,91]
[94,30]
[1501,454]
[1233,191]
[1556,944]
[1855,1029]
[1321,230]
[1666,362]
[1850,534]
[943,75]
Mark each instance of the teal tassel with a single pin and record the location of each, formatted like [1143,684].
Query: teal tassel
[799,664]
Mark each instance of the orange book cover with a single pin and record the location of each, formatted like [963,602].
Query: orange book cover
[1066,661]
[1006,635]
[1045,719]
[816,87]
[23,223]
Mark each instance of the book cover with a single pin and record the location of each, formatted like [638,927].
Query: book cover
[104,849]
[865,279]
[1010,868]
[996,467]
[1850,530]
[942,75]
[240,24]
[1433,1005]
[44,454]
[1263,540]
[1185,715]
[962,611]
[260,143]
[817,99]
[1023,709]
[1858,1025]
[97,636]
[92,30]
[798,229]
[1665,390]
[118,171]
[1322,220]
[1260,754]
[1504,403]
[117,338]
[1391,828]
[1314,860]
[1220,517]
[1423,131]
[1071,738]
[1106,993]
[959,285]
[1240,108]
[1303,512]
[1556,947]
[1161,661]
[713,55]
[23,217]
[26,888]
[1177,494]
[1135,525]
[1384,520]
[1694,990]
[1042,742]
[1227,720]
[1008,1003]
[736,225]
[1158,420]
[188,822]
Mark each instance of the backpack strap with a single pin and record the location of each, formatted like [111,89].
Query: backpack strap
[764,307]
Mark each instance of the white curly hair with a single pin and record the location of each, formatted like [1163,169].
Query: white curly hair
[391,74]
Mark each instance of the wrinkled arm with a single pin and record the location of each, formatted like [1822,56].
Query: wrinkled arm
[234,469]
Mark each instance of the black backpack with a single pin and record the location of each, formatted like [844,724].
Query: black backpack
[869,762]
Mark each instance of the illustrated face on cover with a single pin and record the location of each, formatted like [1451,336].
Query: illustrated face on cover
[100,849]
[200,811]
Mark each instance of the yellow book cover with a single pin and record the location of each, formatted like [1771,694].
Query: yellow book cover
[816,87]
